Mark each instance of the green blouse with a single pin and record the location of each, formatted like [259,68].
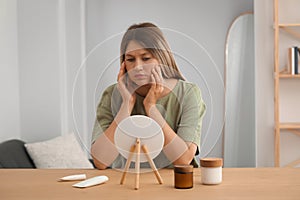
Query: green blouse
[183,109]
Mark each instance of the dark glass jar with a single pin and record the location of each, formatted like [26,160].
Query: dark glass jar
[183,176]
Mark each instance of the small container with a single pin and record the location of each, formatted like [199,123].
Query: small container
[211,170]
[183,176]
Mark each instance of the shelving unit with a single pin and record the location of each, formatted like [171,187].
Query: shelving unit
[290,28]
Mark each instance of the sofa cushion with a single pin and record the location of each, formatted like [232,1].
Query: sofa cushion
[60,152]
[14,155]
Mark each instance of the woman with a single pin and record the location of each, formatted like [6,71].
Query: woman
[149,83]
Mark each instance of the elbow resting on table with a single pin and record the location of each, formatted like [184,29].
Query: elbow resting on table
[187,157]
[98,164]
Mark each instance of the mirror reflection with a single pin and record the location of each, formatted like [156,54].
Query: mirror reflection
[239,131]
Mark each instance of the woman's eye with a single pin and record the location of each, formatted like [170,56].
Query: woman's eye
[130,59]
[146,58]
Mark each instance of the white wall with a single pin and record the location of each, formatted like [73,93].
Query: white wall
[9,72]
[42,46]
[264,63]
[39,69]
[51,50]
[74,79]
[264,81]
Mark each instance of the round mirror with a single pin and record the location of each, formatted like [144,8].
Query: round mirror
[146,129]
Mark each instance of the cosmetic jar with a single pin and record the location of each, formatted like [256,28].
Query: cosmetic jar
[211,170]
[183,176]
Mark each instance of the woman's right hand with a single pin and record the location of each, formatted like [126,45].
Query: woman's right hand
[125,88]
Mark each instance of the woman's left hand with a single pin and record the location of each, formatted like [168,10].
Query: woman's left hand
[156,90]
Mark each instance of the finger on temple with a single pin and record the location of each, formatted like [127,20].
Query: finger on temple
[122,70]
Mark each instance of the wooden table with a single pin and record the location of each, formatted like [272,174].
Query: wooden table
[238,183]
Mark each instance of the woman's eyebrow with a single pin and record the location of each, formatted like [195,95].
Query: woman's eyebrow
[142,54]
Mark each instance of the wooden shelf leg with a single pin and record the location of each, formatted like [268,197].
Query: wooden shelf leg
[277,147]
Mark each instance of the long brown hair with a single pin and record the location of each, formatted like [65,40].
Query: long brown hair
[152,39]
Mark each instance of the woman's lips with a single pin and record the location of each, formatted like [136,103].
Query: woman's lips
[140,76]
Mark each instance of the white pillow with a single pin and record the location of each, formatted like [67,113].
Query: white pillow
[60,152]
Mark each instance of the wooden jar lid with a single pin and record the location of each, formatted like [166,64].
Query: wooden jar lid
[211,162]
[183,168]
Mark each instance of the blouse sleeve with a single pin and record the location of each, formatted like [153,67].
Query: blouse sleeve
[193,110]
[104,114]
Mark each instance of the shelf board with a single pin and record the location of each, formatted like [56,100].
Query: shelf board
[288,25]
[292,29]
[289,76]
[289,125]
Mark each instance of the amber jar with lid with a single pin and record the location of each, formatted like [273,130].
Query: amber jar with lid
[211,170]
[183,176]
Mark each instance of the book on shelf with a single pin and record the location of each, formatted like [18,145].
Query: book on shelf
[297,61]
[293,60]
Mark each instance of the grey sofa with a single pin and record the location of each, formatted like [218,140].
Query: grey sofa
[14,155]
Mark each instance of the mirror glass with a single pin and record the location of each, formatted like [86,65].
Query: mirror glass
[239,130]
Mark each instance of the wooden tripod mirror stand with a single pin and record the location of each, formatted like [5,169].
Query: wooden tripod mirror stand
[136,148]
[139,138]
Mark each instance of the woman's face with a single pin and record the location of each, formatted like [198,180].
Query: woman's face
[139,63]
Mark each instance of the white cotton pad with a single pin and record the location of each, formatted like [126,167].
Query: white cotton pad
[75,177]
[91,182]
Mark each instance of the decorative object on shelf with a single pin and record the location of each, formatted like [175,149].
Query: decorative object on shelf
[293,60]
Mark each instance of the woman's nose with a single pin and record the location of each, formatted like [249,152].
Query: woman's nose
[138,65]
